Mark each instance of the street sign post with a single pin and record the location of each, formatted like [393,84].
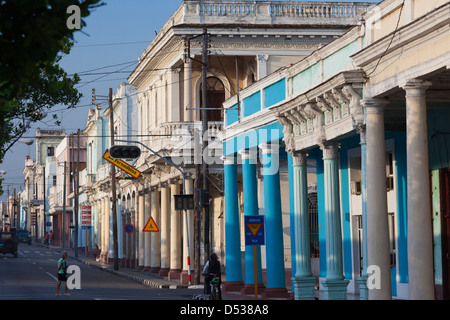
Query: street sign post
[150,226]
[86,223]
[122,165]
[254,236]
[129,228]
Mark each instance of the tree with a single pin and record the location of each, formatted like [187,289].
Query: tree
[34,35]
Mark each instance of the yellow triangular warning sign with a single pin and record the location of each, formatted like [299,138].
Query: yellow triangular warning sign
[254,228]
[150,226]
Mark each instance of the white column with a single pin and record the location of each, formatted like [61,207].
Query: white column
[174,92]
[190,222]
[420,237]
[165,231]
[102,226]
[187,90]
[140,226]
[262,65]
[147,236]
[108,227]
[155,262]
[377,218]
[175,235]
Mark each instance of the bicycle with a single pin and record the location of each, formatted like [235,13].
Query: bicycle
[215,288]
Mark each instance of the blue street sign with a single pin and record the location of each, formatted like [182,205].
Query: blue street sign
[129,227]
[86,227]
[254,230]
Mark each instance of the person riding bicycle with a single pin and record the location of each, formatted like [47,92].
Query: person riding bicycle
[212,269]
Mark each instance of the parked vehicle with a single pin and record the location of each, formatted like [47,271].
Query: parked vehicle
[8,243]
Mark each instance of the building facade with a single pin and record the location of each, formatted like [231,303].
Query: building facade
[362,110]
[246,41]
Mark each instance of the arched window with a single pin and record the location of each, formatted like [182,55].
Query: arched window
[215,98]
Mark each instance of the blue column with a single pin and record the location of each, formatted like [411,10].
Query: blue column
[250,189]
[303,279]
[335,286]
[232,226]
[275,286]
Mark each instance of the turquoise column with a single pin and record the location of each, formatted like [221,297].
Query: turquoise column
[232,226]
[250,189]
[335,287]
[303,280]
[275,285]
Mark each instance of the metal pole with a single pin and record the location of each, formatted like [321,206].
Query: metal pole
[113,186]
[205,191]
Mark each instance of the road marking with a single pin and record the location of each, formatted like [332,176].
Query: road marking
[56,279]
[20,252]
[33,262]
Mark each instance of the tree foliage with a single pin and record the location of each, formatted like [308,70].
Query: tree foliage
[33,37]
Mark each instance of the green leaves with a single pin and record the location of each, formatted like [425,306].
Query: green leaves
[33,38]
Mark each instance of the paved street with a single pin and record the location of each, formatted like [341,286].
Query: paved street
[32,275]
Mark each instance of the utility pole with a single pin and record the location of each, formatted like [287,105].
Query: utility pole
[205,191]
[64,208]
[113,185]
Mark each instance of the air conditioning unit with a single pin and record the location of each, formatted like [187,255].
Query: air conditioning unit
[355,187]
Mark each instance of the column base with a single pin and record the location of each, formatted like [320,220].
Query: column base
[363,290]
[184,277]
[335,289]
[154,269]
[164,272]
[304,288]
[140,268]
[146,269]
[250,288]
[232,286]
[174,274]
[275,293]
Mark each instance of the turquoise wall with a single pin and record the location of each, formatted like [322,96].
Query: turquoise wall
[438,128]
[306,79]
[232,115]
[275,93]
[339,59]
[252,104]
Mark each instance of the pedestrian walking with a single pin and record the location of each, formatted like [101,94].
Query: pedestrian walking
[47,237]
[52,237]
[61,273]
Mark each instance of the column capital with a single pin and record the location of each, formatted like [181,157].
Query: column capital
[299,158]
[415,87]
[374,105]
[269,148]
[229,159]
[247,154]
[330,150]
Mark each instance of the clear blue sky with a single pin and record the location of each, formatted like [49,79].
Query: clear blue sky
[106,40]
[115,34]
